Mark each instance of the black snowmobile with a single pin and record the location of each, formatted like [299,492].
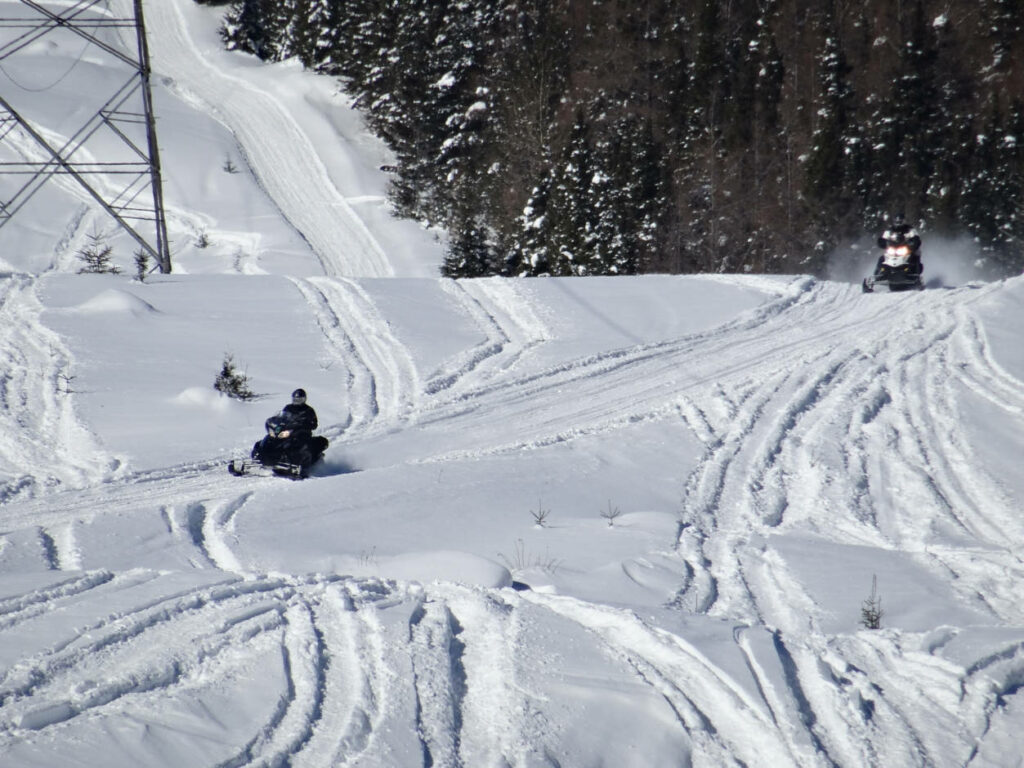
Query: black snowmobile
[285,450]
[899,268]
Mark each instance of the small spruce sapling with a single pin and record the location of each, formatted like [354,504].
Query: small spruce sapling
[540,515]
[231,382]
[97,256]
[141,265]
[871,609]
[610,514]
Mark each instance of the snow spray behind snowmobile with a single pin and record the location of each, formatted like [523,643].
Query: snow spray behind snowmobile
[897,269]
[284,450]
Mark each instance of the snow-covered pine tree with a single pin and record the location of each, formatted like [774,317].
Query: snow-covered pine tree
[827,181]
[97,255]
[527,65]
[990,208]
[570,208]
[256,26]
[918,114]
[298,36]
[471,252]
[951,130]
[530,255]
[409,116]
[628,192]
[327,23]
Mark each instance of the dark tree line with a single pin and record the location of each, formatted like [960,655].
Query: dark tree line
[573,137]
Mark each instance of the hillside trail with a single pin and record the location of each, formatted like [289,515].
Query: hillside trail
[284,159]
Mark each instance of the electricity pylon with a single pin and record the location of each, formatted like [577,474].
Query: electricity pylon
[117,185]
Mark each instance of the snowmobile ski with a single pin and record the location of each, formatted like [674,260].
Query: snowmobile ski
[243,467]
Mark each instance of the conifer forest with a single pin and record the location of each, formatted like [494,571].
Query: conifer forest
[584,137]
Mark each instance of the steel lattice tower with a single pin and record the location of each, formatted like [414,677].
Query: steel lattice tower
[121,185]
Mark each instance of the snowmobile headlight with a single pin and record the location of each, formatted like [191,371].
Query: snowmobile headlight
[285,433]
[903,250]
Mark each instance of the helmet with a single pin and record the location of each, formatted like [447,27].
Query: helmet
[298,397]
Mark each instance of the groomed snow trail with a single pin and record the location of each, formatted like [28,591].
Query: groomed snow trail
[280,154]
[39,431]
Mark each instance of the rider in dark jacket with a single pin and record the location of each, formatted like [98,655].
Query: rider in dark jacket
[901,233]
[300,414]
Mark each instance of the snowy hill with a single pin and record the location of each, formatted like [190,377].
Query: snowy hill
[563,522]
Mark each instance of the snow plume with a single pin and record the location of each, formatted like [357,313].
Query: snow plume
[948,261]
[953,261]
[851,262]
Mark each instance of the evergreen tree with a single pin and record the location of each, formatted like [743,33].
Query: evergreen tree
[570,206]
[531,250]
[771,238]
[470,252]
[255,26]
[298,35]
[462,105]
[527,68]
[917,113]
[994,188]
[827,183]
[951,131]
[628,198]
[327,21]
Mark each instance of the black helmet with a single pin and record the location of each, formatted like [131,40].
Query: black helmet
[298,397]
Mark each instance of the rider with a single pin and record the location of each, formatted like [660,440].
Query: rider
[901,233]
[300,414]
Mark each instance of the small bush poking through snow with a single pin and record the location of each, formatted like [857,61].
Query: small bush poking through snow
[540,515]
[871,609]
[96,255]
[232,383]
[522,560]
[141,265]
[611,513]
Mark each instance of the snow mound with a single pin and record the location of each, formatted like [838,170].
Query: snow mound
[116,301]
[458,567]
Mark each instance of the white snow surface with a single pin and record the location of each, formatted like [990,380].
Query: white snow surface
[561,522]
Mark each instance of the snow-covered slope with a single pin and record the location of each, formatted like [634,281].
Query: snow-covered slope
[584,522]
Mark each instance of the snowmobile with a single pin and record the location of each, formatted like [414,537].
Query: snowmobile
[896,269]
[283,450]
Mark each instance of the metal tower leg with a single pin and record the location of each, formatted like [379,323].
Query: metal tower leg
[116,115]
